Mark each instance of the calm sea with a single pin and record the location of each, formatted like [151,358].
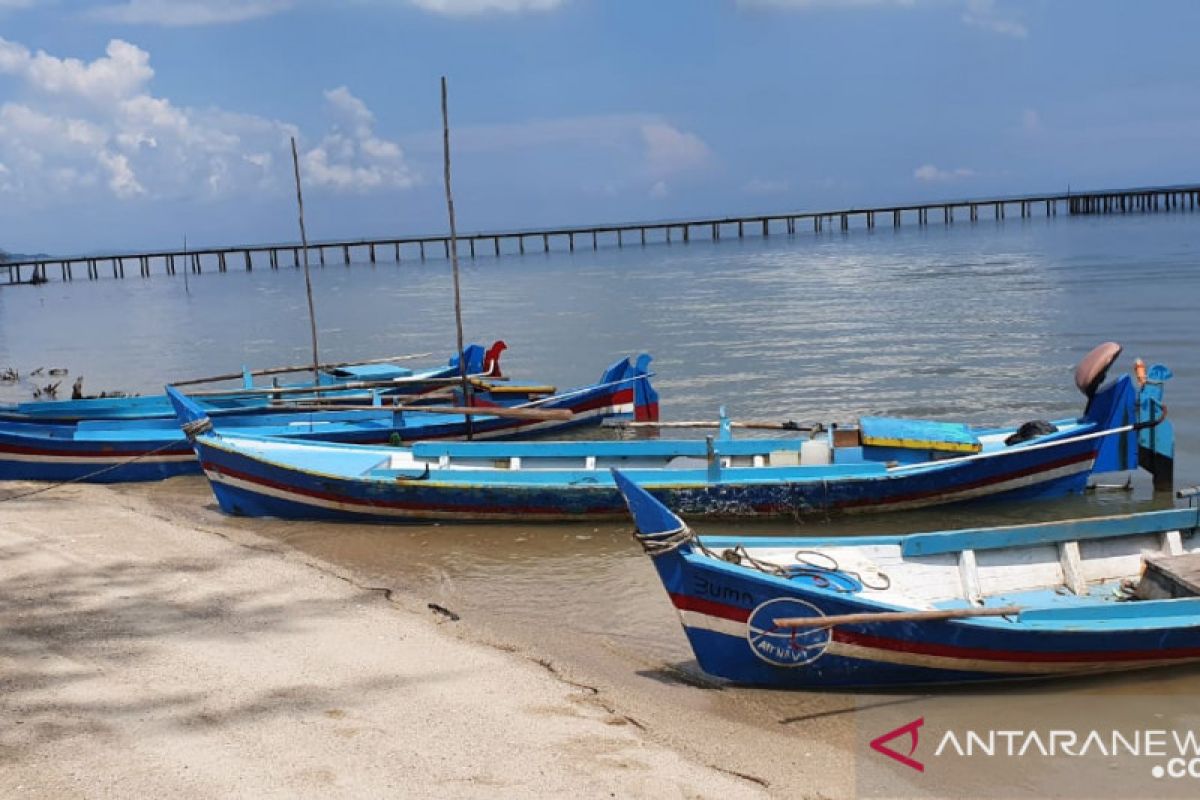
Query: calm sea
[980,322]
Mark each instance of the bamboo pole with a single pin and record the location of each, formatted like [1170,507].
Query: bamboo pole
[232,376]
[394,383]
[312,316]
[462,365]
[445,390]
[547,414]
[894,616]
[765,426]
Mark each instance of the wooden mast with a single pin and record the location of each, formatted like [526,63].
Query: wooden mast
[312,315]
[462,364]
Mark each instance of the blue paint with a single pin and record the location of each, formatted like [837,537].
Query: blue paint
[59,451]
[927,544]
[159,407]
[734,637]
[923,434]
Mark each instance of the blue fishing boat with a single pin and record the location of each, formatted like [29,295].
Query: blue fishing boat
[338,383]
[110,451]
[989,604]
[883,464]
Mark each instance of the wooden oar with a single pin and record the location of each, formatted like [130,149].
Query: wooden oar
[894,616]
[449,387]
[514,389]
[233,376]
[549,414]
[333,387]
[765,426]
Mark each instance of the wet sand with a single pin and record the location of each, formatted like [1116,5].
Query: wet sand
[147,653]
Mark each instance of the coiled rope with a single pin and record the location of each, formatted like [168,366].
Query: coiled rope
[824,576]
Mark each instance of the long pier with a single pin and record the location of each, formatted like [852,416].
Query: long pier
[221,259]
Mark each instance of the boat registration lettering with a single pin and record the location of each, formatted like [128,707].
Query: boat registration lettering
[706,588]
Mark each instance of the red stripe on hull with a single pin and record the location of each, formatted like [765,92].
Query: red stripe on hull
[736,614]
[685,602]
[111,453]
[1033,656]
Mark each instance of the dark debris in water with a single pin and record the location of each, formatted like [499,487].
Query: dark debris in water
[445,612]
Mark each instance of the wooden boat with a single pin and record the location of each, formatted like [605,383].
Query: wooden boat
[967,606]
[386,379]
[882,465]
[109,451]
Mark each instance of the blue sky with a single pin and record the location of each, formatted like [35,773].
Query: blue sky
[131,123]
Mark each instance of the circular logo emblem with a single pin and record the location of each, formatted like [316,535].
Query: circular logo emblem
[786,647]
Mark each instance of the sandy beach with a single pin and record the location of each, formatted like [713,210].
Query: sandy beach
[142,656]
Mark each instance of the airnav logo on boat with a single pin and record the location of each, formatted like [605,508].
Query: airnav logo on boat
[785,646]
[1176,753]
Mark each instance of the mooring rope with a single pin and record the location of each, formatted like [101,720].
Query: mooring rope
[658,543]
[196,427]
[94,474]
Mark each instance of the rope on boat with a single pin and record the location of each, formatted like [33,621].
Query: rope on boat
[656,544]
[196,427]
[824,576]
[96,473]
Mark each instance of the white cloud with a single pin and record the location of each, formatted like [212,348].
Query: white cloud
[123,71]
[984,14]
[670,150]
[352,158]
[121,179]
[351,109]
[932,174]
[659,189]
[180,13]
[465,8]
[96,127]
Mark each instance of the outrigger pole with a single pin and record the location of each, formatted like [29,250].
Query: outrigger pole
[462,366]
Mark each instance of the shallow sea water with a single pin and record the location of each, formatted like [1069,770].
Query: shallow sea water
[978,322]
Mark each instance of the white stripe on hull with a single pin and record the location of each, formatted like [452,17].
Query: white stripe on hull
[366,507]
[705,622]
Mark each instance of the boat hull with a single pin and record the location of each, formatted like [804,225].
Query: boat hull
[970,606]
[252,485]
[727,619]
[129,453]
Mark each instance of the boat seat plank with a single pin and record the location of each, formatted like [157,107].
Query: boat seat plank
[1072,569]
[1168,577]
[1052,532]
[918,434]
[968,573]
